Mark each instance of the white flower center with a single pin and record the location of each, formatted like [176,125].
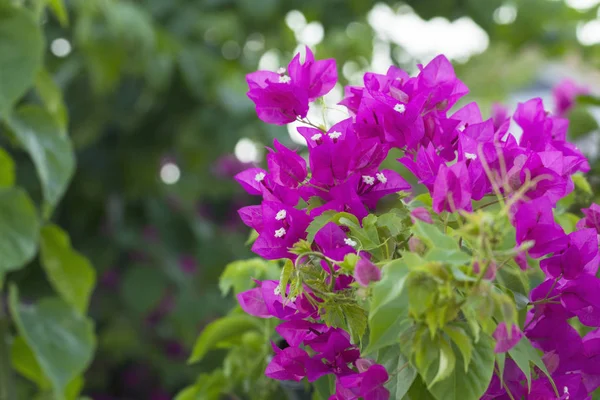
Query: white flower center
[369,180]
[280,232]
[381,177]
[259,177]
[293,298]
[350,242]
[316,136]
[470,156]
[400,108]
[281,71]
[461,127]
[335,135]
[281,215]
[284,79]
[277,290]
[566,391]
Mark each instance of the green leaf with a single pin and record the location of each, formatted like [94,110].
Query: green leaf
[24,362]
[62,340]
[523,354]
[434,238]
[49,147]
[325,218]
[7,169]
[323,387]
[220,330]
[462,341]
[452,257]
[252,236]
[397,221]
[238,274]
[59,10]
[582,183]
[21,54]
[69,272]
[467,386]
[284,277]
[447,361]
[142,288]
[19,229]
[356,318]
[388,316]
[402,374]
[52,97]
[366,236]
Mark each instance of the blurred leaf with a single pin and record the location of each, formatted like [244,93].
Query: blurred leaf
[23,360]
[21,51]
[142,288]
[434,237]
[238,275]
[59,10]
[70,273]
[525,354]
[220,330]
[7,169]
[49,147]
[447,361]
[581,121]
[52,97]
[19,229]
[61,340]
[462,341]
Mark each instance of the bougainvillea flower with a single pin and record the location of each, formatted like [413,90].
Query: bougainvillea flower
[554,334]
[258,182]
[367,385]
[564,95]
[534,221]
[286,167]
[425,166]
[581,253]
[591,219]
[265,301]
[366,272]
[287,364]
[582,297]
[333,242]
[297,331]
[334,353]
[281,98]
[452,189]
[505,340]
[438,78]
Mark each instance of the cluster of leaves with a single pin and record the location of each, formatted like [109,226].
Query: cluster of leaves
[47,339]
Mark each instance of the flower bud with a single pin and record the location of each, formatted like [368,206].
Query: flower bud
[366,272]
[421,213]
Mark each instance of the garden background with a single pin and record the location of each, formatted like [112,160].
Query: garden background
[123,123]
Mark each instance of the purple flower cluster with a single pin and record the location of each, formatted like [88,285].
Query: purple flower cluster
[460,158]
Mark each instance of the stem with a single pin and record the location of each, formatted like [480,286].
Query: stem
[7,389]
[332,275]
[487,204]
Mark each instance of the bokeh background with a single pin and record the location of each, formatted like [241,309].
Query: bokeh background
[155,91]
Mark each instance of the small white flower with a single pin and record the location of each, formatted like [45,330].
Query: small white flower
[293,298]
[400,108]
[461,127]
[284,79]
[369,180]
[316,136]
[566,391]
[470,156]
[259,177]
[281,215]
[350,242]
[277,290]
[280,233]
[381,177]
[335,135]
[281,71]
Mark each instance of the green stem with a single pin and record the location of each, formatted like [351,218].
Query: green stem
[7,390]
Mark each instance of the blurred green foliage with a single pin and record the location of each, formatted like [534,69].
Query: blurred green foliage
[151,82]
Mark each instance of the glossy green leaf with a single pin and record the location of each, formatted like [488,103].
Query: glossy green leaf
[434,237]
[7,169]
[24,362]
[70,273]
[462,341]
[446,362]
[467,386]
[524,354]
[222,329]
[61,340]
[21,52]
[325,218]
[49,147]
[388,316]
[238,275]
[402,373]
[19,229]
[356,318]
